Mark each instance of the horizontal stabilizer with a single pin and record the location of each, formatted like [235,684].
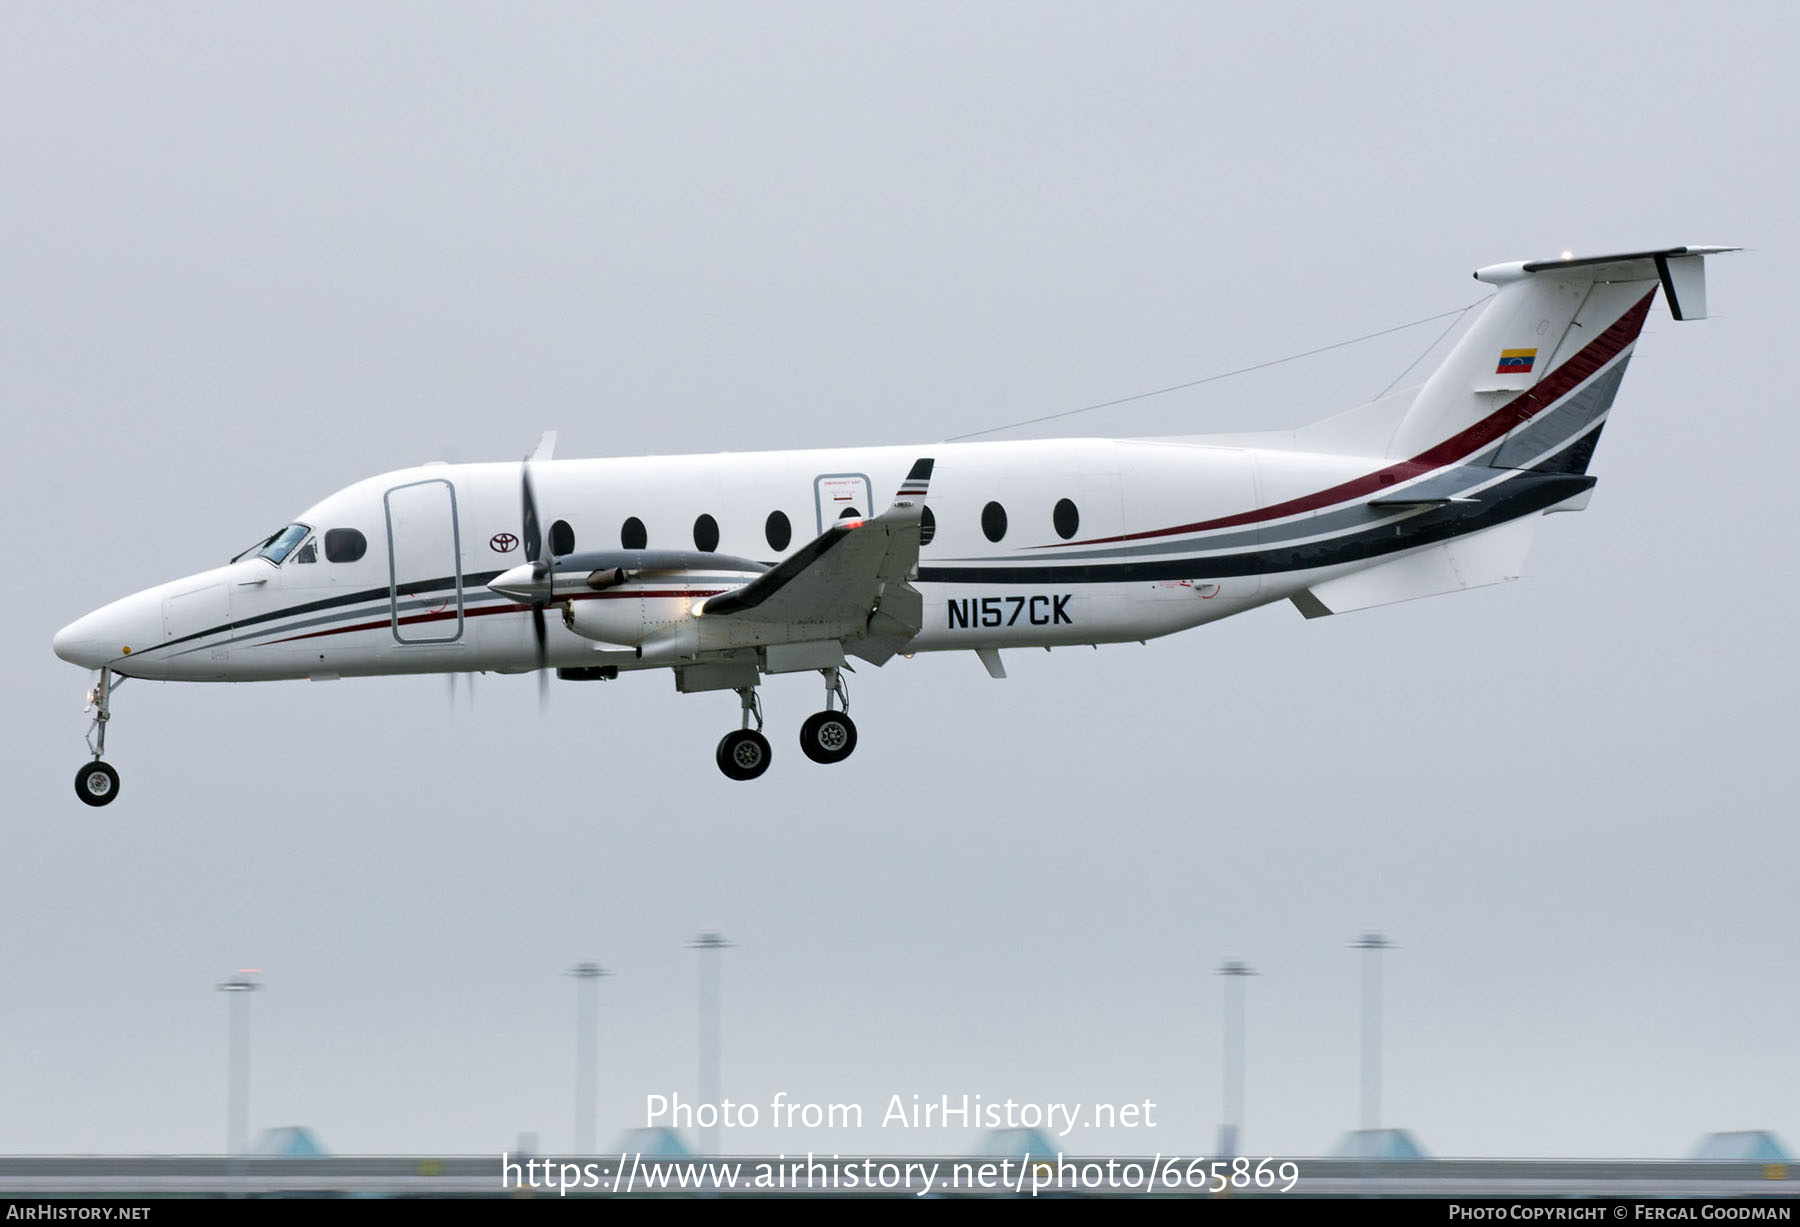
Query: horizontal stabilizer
[1489,557]
[1682,271]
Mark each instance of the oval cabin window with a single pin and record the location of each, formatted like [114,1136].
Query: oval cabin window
[778,531]
[632,535]
[562,538]
[706,534]
[993,521]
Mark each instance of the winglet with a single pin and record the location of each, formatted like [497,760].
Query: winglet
[546,447]
[917,483]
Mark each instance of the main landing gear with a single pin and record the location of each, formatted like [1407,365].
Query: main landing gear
[744,753]
[97,783]
[829,736]
[826,737]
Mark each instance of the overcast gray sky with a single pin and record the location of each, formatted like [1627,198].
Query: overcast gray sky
[251,254]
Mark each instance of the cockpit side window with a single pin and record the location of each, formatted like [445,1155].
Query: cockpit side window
[344,545]
[277,548]
[308,552]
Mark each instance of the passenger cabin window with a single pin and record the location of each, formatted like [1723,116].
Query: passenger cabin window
[344,545]
[632,535]
[1066,517]
[308,552]
[778,531]
[927,527]
[993,522]
[562,538]
[277,548]
[849,513]
[706,534]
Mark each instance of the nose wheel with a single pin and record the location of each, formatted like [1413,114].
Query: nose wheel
[97,783]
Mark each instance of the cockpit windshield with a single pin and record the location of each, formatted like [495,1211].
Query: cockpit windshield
[280,545]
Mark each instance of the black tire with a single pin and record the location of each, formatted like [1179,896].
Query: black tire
[828,736]
[97,783]
[743,754]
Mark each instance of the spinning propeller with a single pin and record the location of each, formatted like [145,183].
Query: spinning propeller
[542,577]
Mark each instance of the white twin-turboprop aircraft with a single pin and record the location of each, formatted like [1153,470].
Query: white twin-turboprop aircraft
[726,568]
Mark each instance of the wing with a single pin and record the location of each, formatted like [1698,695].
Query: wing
[849,583]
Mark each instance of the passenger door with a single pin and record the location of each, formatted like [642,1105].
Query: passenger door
[425,585]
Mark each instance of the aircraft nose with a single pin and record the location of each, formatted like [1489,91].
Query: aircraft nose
[110,633]
[79,643]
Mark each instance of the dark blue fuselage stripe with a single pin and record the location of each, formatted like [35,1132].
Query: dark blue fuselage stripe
[363,597]
[1521,495]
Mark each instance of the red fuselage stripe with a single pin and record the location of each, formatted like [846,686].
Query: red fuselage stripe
[1603,349]
[445,615]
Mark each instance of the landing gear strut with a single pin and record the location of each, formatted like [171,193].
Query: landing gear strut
[830,735]
[744,753]
[97,783]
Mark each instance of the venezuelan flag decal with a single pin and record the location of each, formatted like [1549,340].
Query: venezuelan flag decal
[1516,361]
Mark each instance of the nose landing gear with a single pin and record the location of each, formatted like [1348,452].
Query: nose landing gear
[97,783]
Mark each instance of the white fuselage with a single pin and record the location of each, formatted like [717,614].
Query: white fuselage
[417,599]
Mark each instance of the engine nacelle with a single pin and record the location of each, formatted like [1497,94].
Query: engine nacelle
[625,596]
[623,617]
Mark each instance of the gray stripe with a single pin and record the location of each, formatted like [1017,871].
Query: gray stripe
[381,607]
[1353,517]
[1557,428]
[1549,433]
[353,613]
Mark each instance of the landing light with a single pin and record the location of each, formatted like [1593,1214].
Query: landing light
[1568,255]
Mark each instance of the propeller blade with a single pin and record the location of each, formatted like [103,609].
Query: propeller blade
[543,654]
[542,571]
[534,538]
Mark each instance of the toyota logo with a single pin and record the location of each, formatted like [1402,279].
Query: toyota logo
[503,543]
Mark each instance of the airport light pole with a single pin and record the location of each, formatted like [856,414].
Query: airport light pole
[710,943]
[1372,944]
[237,1090]
[586,1066]
[1235,971]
